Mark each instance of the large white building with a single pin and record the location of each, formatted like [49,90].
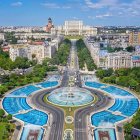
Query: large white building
[34,51]
[32,35]
[123,59]
[75,27]
[2,37]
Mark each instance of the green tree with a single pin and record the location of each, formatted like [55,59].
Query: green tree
[9,117]
[2,113]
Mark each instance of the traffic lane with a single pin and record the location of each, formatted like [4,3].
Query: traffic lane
[58,116]
[58,123]
[81,114]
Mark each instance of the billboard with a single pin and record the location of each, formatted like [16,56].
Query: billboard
[136,58]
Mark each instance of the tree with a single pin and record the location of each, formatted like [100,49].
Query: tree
[21,63]
[133,83]
[9,117]
[84,56]
[2,113]
[62,54]
[33,56]
[130,48]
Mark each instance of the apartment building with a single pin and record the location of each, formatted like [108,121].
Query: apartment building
[134,38]
[2,37]
[33,51]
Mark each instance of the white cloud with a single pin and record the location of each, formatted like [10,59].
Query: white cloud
[104,15]
[16,4]
[55,6]
[100,4]
[116,7]
[51,5]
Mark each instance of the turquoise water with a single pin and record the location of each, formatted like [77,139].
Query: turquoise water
[105,119]
[94,84]
[116,91]
[33,117]
[111,132]
[14,105]
[125,102]
[24,91]
[70,96]
[48,84]
[27,129]
[126,107]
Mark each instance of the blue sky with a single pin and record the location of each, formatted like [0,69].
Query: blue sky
[92,12]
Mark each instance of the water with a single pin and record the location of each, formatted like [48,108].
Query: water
[33,117]
[48,84]
[116,91]
[110,132]
[15,105]
[125,103]
[105,118]
[94,84]
[126,107]
[24,91]
[70,96]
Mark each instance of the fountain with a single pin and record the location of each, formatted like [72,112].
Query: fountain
[70,96]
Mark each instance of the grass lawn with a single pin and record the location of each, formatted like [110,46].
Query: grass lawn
[4,133]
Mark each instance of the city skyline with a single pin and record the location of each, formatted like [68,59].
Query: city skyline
[98,12]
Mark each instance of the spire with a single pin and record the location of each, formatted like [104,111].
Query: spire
[49,20]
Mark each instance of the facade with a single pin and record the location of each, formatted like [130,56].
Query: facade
[2,36]
[134,38]
[75,27]
[123,60]
[33,35]
[118,60]
[18,29]
[21,29]
[98,55]
[34,51]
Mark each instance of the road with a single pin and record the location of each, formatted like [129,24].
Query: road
[58,115]
[72,67]
[80,123]
[81,131]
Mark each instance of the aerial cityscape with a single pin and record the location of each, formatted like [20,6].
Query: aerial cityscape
[70,70]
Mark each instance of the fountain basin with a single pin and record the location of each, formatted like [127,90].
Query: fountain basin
[70,96]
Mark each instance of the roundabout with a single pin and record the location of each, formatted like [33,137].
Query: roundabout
[70,96]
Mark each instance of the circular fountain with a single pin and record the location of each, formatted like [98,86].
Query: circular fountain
[70,96]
